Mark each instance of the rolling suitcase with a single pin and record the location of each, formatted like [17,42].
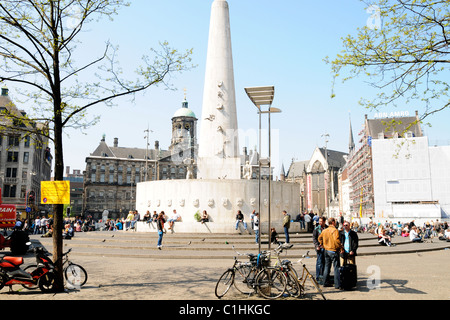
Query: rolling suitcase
[347,276]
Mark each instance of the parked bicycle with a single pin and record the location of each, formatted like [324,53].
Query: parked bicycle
[255,276]
[306,274]
[74,274]
[293,286]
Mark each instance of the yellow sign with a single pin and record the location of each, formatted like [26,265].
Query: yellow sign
[55,192]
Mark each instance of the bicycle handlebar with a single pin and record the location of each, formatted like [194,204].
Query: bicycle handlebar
[247,254]
[303,257]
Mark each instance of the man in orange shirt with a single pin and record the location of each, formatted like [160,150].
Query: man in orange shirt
[329,240]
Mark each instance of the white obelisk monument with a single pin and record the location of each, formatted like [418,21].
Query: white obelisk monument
[218,155]
[218,188]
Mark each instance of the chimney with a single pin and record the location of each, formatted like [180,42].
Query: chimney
[67,171]
[156,145]
[5,92]
[116,142]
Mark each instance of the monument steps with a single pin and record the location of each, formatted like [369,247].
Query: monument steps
[215,246]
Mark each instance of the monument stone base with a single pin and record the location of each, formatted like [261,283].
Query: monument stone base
[221,199]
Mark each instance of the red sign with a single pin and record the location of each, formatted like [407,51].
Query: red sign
[7,216]
[309,192]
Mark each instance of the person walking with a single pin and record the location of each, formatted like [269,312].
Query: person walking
[320,262]
[37,226]
[286,224]
[330,241]
[256,226]
[160,227]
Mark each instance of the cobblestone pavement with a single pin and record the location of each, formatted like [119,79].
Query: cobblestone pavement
[410,276]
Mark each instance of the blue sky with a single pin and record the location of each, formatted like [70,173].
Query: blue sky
[280,43]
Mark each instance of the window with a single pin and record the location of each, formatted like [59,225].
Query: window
[11,172]
[9,191]
[26,157]
[93,177]
[13,141]
[102,178]
[23,192]
[13,156]
[120,179]
[111,178]
[27,141]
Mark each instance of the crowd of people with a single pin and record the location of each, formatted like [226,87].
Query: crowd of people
[334,248]
[414,231]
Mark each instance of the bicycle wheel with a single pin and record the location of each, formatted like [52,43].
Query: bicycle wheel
[75,275]
[30,269]
[243,277]
[46,282]
[293,286]
[224,284]
[271,283]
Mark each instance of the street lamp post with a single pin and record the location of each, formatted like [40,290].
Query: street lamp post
[264,96]
[146,152]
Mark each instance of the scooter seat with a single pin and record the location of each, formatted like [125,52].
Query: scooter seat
[14,260]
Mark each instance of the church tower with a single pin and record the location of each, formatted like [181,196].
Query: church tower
[184,130]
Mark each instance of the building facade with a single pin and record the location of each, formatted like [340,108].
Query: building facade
[322,183]
[113,172]
[76,179]
[25,159]
[412,184]
[360,164]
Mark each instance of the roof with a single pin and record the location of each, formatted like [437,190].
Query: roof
[103,150]
[296,169]
[390,126]
[184,111]
[335,158]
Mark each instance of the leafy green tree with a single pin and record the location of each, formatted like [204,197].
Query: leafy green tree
[38,48]
[403,52]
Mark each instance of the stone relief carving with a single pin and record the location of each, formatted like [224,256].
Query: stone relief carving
[169,203]
[211,202]
[239,202]
[253,202]
[224,202]
[182,203]
[196,203]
